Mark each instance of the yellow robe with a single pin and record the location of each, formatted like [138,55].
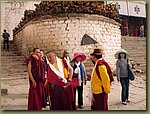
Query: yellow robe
[97,83]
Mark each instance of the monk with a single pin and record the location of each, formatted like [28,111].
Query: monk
[100,81]
[59,76]
[36,70]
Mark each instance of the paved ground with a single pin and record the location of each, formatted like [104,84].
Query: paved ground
[16,99]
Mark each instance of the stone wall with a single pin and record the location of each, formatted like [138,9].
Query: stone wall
[12,12]
[65,31]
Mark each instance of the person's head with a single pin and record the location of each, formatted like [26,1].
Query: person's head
[122,56]
[66,54]
[51,56]
[77,59]
[36,51]
[97,54]
[41,54]
[79,56]
[4,30]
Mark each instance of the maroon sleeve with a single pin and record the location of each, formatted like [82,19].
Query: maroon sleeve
[27,59]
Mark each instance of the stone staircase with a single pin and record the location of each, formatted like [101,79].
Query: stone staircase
[13,66]
[136,46]
[12,63]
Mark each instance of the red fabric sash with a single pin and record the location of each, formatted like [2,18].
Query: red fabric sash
[103,62]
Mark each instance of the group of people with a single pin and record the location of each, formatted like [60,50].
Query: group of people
[56,80]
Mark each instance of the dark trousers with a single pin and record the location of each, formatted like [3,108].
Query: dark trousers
[125,88]
[80,95]
[7,43]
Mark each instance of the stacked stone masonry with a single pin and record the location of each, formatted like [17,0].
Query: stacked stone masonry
[65,31]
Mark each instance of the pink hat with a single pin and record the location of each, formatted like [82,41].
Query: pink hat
[77,54]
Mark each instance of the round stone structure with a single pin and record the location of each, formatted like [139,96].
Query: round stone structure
[66,31]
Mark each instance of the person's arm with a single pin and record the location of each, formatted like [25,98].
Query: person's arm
[30,75]
[3,35]
[8,35]
[85,78]
[129,63]
[70,73]
[117,71]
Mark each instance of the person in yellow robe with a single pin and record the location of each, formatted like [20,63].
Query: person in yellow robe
[100,82]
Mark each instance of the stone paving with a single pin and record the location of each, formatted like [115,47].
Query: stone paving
[14,79]
[16,99]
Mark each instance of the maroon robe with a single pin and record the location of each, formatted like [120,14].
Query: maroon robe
[100,101]
[36,97]
[61,98]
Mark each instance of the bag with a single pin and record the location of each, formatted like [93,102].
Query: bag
[130,73]
[75,82]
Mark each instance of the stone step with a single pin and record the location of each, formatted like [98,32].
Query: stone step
[8,67]
[7,60]
[8,53]
[13,64]
[11,75]
[13,78]
[15,69]
[139,49]
[136,47]
[12,57]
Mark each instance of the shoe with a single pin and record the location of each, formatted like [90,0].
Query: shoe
[80,106]
[127,101]
[124,103]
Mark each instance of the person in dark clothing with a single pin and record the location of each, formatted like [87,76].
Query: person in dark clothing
[6,39]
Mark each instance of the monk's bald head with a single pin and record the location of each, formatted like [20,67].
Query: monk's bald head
[51,55]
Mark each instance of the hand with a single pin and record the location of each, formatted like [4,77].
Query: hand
[35,56]
[34,84]
[46,82]
[68,83]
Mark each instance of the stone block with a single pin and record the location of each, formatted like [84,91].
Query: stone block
[4,91]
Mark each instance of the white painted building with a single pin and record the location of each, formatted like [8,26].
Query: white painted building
[12,12]
[132,14]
